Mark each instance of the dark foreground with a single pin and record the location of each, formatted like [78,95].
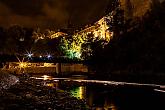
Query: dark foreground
[29,94]
[24,93]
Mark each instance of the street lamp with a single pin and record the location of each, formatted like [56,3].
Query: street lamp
[49,56]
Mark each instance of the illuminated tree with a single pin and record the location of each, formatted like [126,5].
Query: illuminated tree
[82,45]
[71,47]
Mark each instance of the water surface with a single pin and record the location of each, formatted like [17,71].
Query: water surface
[102,96]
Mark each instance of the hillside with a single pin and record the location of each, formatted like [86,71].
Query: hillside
[137,52]
[136,8]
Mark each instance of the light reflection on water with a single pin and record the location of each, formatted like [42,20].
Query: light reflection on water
[46,77]
[50,84]
[101,96]
[80,92]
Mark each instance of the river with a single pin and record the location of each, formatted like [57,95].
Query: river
[106,95]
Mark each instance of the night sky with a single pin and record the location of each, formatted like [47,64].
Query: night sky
[51,13]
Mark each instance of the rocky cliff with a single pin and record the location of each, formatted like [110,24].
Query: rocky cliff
[137,8]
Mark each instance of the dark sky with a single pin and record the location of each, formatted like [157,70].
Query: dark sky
[50,13]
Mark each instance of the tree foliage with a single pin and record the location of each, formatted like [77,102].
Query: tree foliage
[138,50]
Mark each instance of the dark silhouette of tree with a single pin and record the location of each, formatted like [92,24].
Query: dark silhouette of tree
[137,51]
[28,40]
[18,39]
[2,39]
[15,35]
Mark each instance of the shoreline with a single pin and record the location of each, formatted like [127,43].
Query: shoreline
[30,94]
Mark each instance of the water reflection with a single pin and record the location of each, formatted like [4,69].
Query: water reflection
[46,77]
[50,84]
[99,96]
[100,99]
[95,97]
[79,92]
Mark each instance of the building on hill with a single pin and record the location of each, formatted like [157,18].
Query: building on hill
[58,34]
[99,29]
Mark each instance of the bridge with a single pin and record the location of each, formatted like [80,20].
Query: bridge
[43,67]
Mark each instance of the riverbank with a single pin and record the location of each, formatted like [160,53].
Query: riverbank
[30,94]
[131,77]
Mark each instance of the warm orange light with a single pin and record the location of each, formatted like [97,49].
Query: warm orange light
[46,77]
[22,65]
[50,84]
[48,64]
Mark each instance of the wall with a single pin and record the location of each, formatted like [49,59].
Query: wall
[47,68]
[67,67]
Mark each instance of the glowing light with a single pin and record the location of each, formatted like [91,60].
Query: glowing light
[29,54]
[40,56]
[49,65]
[50,84]
[49,56]
[158,90]
[22,64]
[21,39]
[46,77]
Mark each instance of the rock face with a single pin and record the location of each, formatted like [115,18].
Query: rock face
[6,80]
[137,8]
